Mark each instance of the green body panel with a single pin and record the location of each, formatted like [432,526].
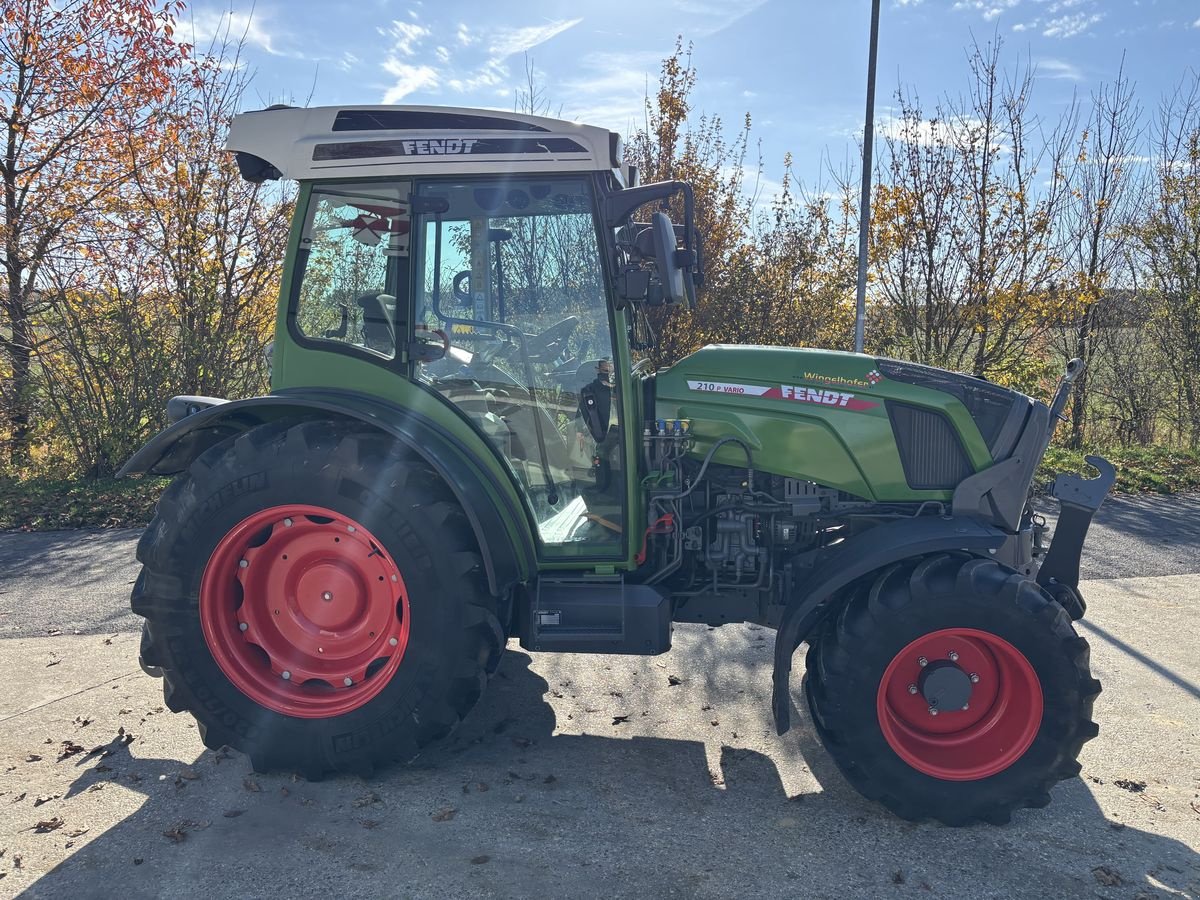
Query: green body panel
[786,405]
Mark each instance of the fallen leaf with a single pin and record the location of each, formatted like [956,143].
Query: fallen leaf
[480,860]
[70,748]
[367,800]
[715,723]
[137,860]
[617,720]
[175,835]
[49,825]
[897,877]
[1107,877]
[33,757]
[233,813]
[444,815]
[78,832]
[188,773]
[1134,787]
[674,680]
[549,779]
[482,786]
[251,785]
[45,798]
[53,662]
[18,798]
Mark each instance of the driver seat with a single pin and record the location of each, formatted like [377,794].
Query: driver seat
[379,333]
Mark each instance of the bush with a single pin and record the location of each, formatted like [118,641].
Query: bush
[1140,470]
[42,504]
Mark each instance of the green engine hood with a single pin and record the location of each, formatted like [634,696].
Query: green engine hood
[871,427]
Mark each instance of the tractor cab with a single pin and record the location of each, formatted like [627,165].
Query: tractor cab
[490,260]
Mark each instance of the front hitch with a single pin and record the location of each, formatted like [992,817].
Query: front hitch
[1078,500]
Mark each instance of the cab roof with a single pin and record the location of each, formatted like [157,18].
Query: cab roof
[370,141]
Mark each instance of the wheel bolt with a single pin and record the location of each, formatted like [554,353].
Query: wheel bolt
[395,578]
[347,681]
[350,528]
[966,706]
[242,563]
[392,642]
[953,654]
[328,595]
[912,688]
[242,626]
[922,661]
[287,676]
[287,523]
[974,678]
[933,710]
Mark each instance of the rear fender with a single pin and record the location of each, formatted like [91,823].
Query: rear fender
[819,594]
[507,561]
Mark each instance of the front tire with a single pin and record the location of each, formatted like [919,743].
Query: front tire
[952,688]
[315,598]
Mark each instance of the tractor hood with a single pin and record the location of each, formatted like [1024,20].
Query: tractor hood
[877,428]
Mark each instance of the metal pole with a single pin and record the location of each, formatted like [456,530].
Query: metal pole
[864,211]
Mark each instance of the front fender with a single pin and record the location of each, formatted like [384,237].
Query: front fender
[493,512]
[817,596]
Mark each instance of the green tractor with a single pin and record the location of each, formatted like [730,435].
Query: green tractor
[462,445]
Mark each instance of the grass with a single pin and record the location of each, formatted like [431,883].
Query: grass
[43,504]
[1140,470]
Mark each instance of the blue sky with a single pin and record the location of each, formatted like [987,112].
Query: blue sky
[797,67]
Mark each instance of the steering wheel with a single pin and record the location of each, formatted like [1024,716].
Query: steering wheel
[549,343]
[461,287]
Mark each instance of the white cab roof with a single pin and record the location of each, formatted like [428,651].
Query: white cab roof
[369,141]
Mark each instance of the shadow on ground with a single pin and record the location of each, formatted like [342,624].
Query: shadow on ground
[514,807]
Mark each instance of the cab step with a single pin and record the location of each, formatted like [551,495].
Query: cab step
[596,615]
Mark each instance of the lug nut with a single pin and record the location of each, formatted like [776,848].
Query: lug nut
[392,642]
[912,688]
[287,676]
[242,563]
[974,678]
[966,706]
[395,578]
[242,626]
[328,595]
[347,681]
[287,523]
[350,528]
[922,661]
[933,710]
[953,654]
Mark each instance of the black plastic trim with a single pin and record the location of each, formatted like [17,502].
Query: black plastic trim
[931,461]
[418,120]
[465,148]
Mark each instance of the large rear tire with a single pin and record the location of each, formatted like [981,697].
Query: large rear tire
[315,598]
[952,688]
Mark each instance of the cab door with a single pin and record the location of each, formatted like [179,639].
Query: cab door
[509,269]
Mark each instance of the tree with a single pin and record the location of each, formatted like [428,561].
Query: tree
[1097,222]
[81,82]
[964,245]
[1169,245]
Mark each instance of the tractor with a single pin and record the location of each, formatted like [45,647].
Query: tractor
[466,443]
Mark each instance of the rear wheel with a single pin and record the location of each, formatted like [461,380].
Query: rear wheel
[315,598]
[952,688]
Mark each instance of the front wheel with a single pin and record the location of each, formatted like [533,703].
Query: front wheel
[952,688]
[315,598]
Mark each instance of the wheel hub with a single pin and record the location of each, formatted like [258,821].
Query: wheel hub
[304,611]
[945,686]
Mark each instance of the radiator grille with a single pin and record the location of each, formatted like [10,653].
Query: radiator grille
[930,450]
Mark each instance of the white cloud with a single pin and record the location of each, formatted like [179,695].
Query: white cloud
[507,42]
[409,79]
[406,37]
[989,8]
[1071,24]
[464,36]
[1058,68]
[707,17]
[211,26]
[1196,24]
[442,54]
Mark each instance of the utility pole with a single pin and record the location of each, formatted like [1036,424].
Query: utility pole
[864,210]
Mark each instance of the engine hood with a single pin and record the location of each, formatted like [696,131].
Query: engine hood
[876,428]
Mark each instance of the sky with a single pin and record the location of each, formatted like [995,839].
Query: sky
[798,67]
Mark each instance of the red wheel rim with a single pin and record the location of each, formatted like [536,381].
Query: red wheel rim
[304,611]
[1002,717]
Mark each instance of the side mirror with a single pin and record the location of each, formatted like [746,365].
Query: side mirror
[670,273]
